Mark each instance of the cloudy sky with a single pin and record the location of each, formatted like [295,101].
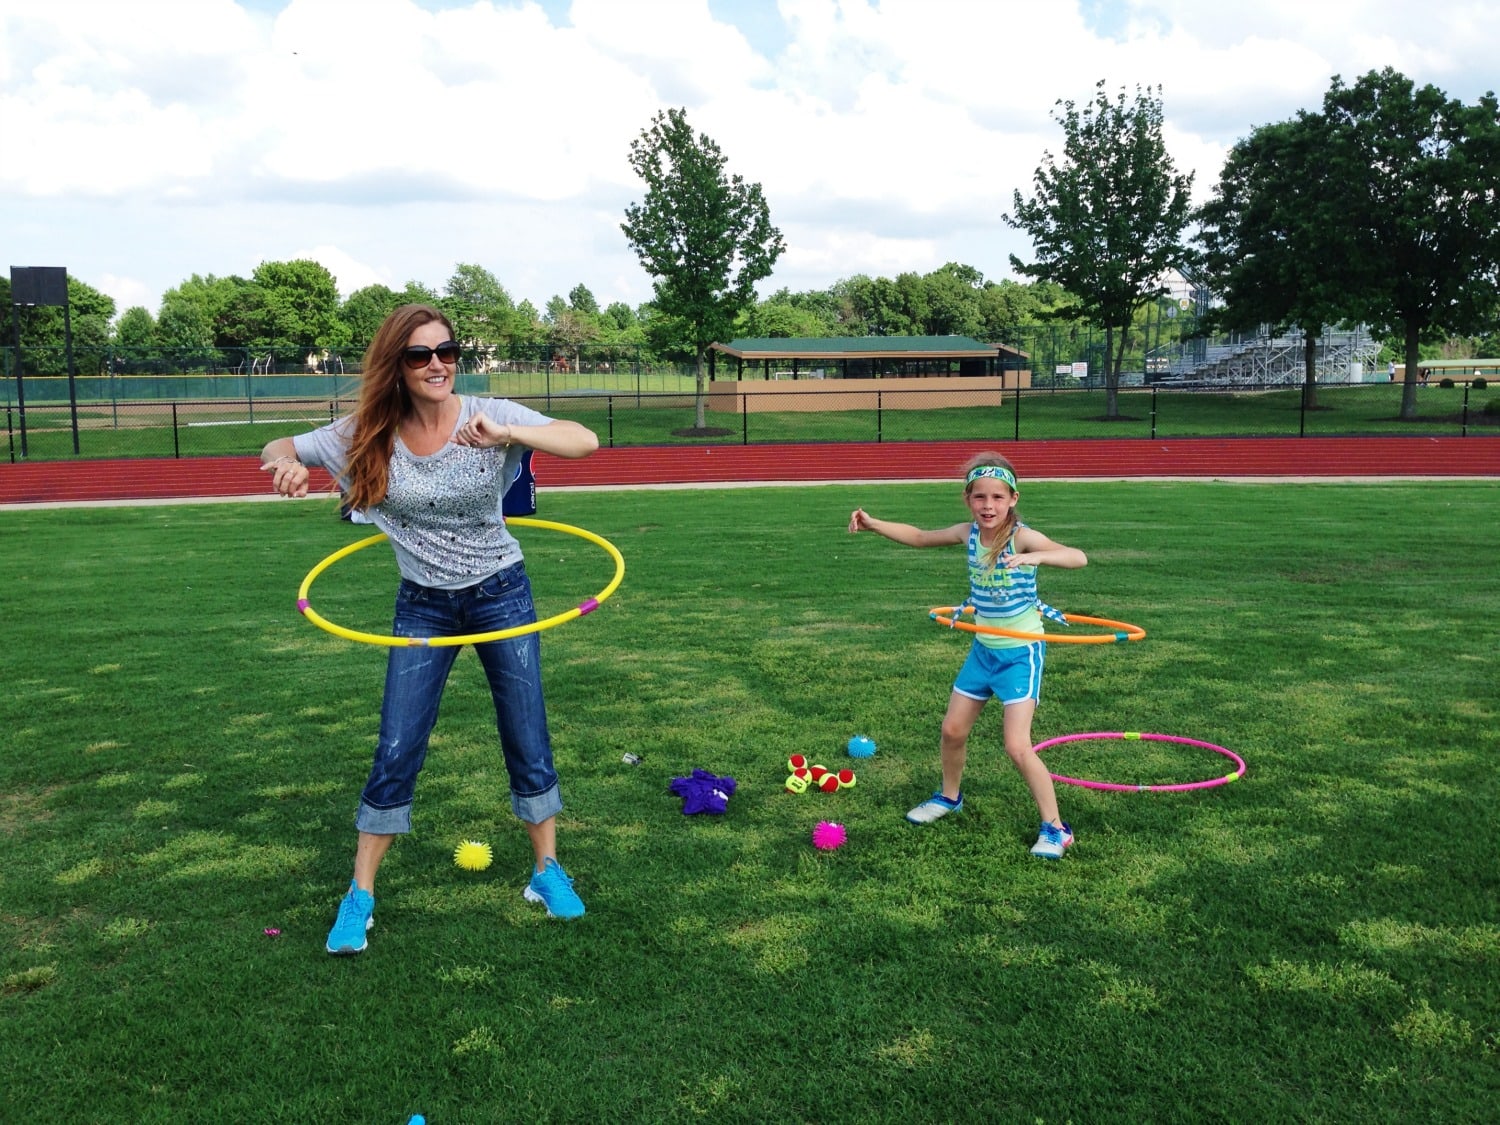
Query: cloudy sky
[142,141]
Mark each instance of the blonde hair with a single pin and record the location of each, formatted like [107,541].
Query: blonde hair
[988,459]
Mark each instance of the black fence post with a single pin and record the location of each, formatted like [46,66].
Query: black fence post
[609,419]
[176,448]
[879,418]
[1463,428]
[1153,413]
[745,419]
[1018,406]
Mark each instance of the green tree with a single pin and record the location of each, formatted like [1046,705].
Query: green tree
[1273,239]
[781,316]
[953,301]
[620,317]
[300,306]
[568,329]
[186,319]
[880,306]
[135,330]
[481,309]
[415,293]
[581,299]
[244,318]
[1419,209]
[705,237]
[204,313]
[1107,218]
[44,329]
[364,310]
[529,329]
[1006,305]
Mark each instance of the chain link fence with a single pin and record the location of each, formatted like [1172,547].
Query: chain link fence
[102,425]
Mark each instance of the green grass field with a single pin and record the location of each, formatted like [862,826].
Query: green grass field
[1317,942]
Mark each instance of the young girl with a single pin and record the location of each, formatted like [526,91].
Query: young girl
[1003,556]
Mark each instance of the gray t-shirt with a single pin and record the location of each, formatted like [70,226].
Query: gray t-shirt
[441,512]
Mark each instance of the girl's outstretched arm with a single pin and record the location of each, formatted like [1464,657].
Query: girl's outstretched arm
[1037,550]
[905,533]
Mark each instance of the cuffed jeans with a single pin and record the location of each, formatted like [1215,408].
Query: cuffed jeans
[414,680]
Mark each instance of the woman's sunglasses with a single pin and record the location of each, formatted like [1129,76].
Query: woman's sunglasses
[418,356]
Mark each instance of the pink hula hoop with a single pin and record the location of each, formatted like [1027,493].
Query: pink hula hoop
[1116,787]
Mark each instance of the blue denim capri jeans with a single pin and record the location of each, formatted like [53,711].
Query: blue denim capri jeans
[414,680]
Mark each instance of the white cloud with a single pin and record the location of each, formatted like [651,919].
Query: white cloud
[392,139]
[348,272]
[128,292]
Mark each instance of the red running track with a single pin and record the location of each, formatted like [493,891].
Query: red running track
[1117,459]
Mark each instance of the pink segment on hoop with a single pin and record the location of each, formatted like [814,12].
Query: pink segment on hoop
[1116,787]
[588,606]
[302,605]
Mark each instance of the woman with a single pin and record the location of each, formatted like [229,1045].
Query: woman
[429,467]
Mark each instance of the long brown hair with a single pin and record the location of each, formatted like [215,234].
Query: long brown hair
[1008,527]
[383,403]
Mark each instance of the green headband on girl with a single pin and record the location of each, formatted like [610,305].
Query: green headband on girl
[999,472]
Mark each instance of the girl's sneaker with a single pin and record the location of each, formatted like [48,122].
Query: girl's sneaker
[934,808]
[1052,841]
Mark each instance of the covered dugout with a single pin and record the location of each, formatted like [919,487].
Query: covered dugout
[865,357]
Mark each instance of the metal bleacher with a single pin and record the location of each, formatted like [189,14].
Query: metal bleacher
[1265,358]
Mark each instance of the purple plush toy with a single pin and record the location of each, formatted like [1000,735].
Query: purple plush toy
[703,792]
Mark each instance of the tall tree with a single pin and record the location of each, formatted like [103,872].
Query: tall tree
[953,301]
[704,237]
[1273,237]
[1107,218]
[1420,207]
[479,306]
[135,330]
[568,329]
[581,299]
[620,317]
[207,312]
[781,316]
[1006,305]
[301,303]
[364,310]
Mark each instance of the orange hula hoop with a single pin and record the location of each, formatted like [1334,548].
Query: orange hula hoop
[1119,630]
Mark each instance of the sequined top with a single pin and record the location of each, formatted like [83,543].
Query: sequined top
[441,512]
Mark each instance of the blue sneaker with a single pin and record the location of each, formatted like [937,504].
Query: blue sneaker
[934,807]
[552,887]
[356,916]
[1052,841]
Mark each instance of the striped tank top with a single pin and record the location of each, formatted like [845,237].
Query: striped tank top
[1003,597]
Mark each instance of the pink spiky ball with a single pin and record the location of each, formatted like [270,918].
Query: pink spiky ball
[827,835]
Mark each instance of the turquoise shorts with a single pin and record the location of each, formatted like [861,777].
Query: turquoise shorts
[1007,674]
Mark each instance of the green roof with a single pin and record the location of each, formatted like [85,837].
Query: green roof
[858,347]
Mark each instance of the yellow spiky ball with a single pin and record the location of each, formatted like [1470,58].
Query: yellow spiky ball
[471,855]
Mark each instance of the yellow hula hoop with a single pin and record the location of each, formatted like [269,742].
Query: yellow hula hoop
[1120,631]
[588,606]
